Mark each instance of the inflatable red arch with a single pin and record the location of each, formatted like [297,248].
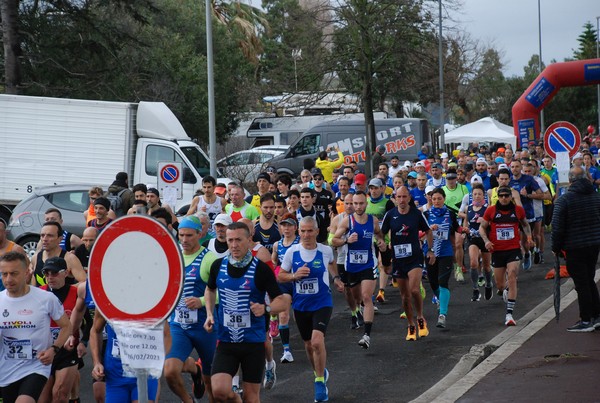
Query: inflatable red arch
[526,111]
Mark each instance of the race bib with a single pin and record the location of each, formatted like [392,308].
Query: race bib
[358,256]
[403,250]
[115,351]
[307,286]
[505,234]
[19,350]
[55,331]
[236,319]
[440,234]
[186,316]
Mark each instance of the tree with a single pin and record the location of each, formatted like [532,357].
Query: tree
[587,43]
[292,28]
[12,51]
[370,40]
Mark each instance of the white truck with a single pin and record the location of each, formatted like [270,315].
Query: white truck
[46,141]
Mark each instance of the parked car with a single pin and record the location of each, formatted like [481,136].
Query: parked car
[28,216]
[245,165]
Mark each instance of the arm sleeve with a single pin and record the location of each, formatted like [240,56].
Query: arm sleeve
[337,162]
[385,227]
[423,223]
[454,222]
[265,281]
[214,271]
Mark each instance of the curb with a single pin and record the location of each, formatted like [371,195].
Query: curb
[483,358]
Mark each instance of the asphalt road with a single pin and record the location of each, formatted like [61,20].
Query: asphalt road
[392,370]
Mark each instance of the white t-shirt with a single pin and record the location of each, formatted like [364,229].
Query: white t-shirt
[538,205]
[306,255]
[25,332]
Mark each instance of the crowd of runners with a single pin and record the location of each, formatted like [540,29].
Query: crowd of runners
[475,216]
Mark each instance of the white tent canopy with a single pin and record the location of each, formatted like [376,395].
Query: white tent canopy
[486,129]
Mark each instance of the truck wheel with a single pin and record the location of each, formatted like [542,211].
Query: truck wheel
[29,243]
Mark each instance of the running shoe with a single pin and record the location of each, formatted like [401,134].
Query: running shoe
[505,295]
[412,333]
[422,289]
[355,324]
[422,325]
[198,386]
[394,282]
[435,300]
[488,293]
[274,328]
[581,327]
[380,296]
[536,256]
[403,315]
[237,390]
[365,342]
[596,322]
[441,323]
[527,261]
[360,319]
[321,392]
[509,321]
[326,376]
[458,274]
[270,377]
[476,296]
[481,281]
[541,258]
[287,357]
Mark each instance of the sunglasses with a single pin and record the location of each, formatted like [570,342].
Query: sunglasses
[51,273]
[504,195]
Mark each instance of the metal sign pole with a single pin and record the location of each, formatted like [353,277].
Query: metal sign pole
[142,385]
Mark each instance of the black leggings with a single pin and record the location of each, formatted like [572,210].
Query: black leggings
[439,273]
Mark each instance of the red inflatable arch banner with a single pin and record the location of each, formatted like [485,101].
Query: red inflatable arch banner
[526,111]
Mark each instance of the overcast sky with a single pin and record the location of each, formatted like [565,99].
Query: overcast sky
[512,26]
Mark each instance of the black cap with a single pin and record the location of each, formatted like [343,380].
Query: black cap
[103,201]
[316,171]
[264,175]
[55,264]
[154,191]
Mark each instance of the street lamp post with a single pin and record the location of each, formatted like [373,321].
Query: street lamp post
[212,133]
[598,57]
[441,72]
[296,55]
[542,129]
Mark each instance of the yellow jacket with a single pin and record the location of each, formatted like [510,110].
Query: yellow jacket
[327,166]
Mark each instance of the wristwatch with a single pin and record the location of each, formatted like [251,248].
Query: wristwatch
[55,348]
[267,308]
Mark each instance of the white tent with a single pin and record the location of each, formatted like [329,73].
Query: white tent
[486,129]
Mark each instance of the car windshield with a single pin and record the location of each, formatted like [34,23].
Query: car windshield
[197,159]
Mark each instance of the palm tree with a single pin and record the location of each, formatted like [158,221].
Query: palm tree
[245,21]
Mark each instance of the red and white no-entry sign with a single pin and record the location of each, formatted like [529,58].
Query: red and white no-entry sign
[136,271]
[562,137]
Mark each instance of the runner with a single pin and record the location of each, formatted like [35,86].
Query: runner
[306,264]
[218,245]
[242,281]
[361,267]
[353,303]
[474,215]
[239,208]
[403,225]
[502,221]
[187,321]
[27,351]
[108,366]
[289,226]
[63,373]
[444,225]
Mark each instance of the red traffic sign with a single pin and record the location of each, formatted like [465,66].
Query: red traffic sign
[136,271]
[169,173]
[561,137]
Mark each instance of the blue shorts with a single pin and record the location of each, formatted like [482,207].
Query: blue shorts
[127,391]
[186,340]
